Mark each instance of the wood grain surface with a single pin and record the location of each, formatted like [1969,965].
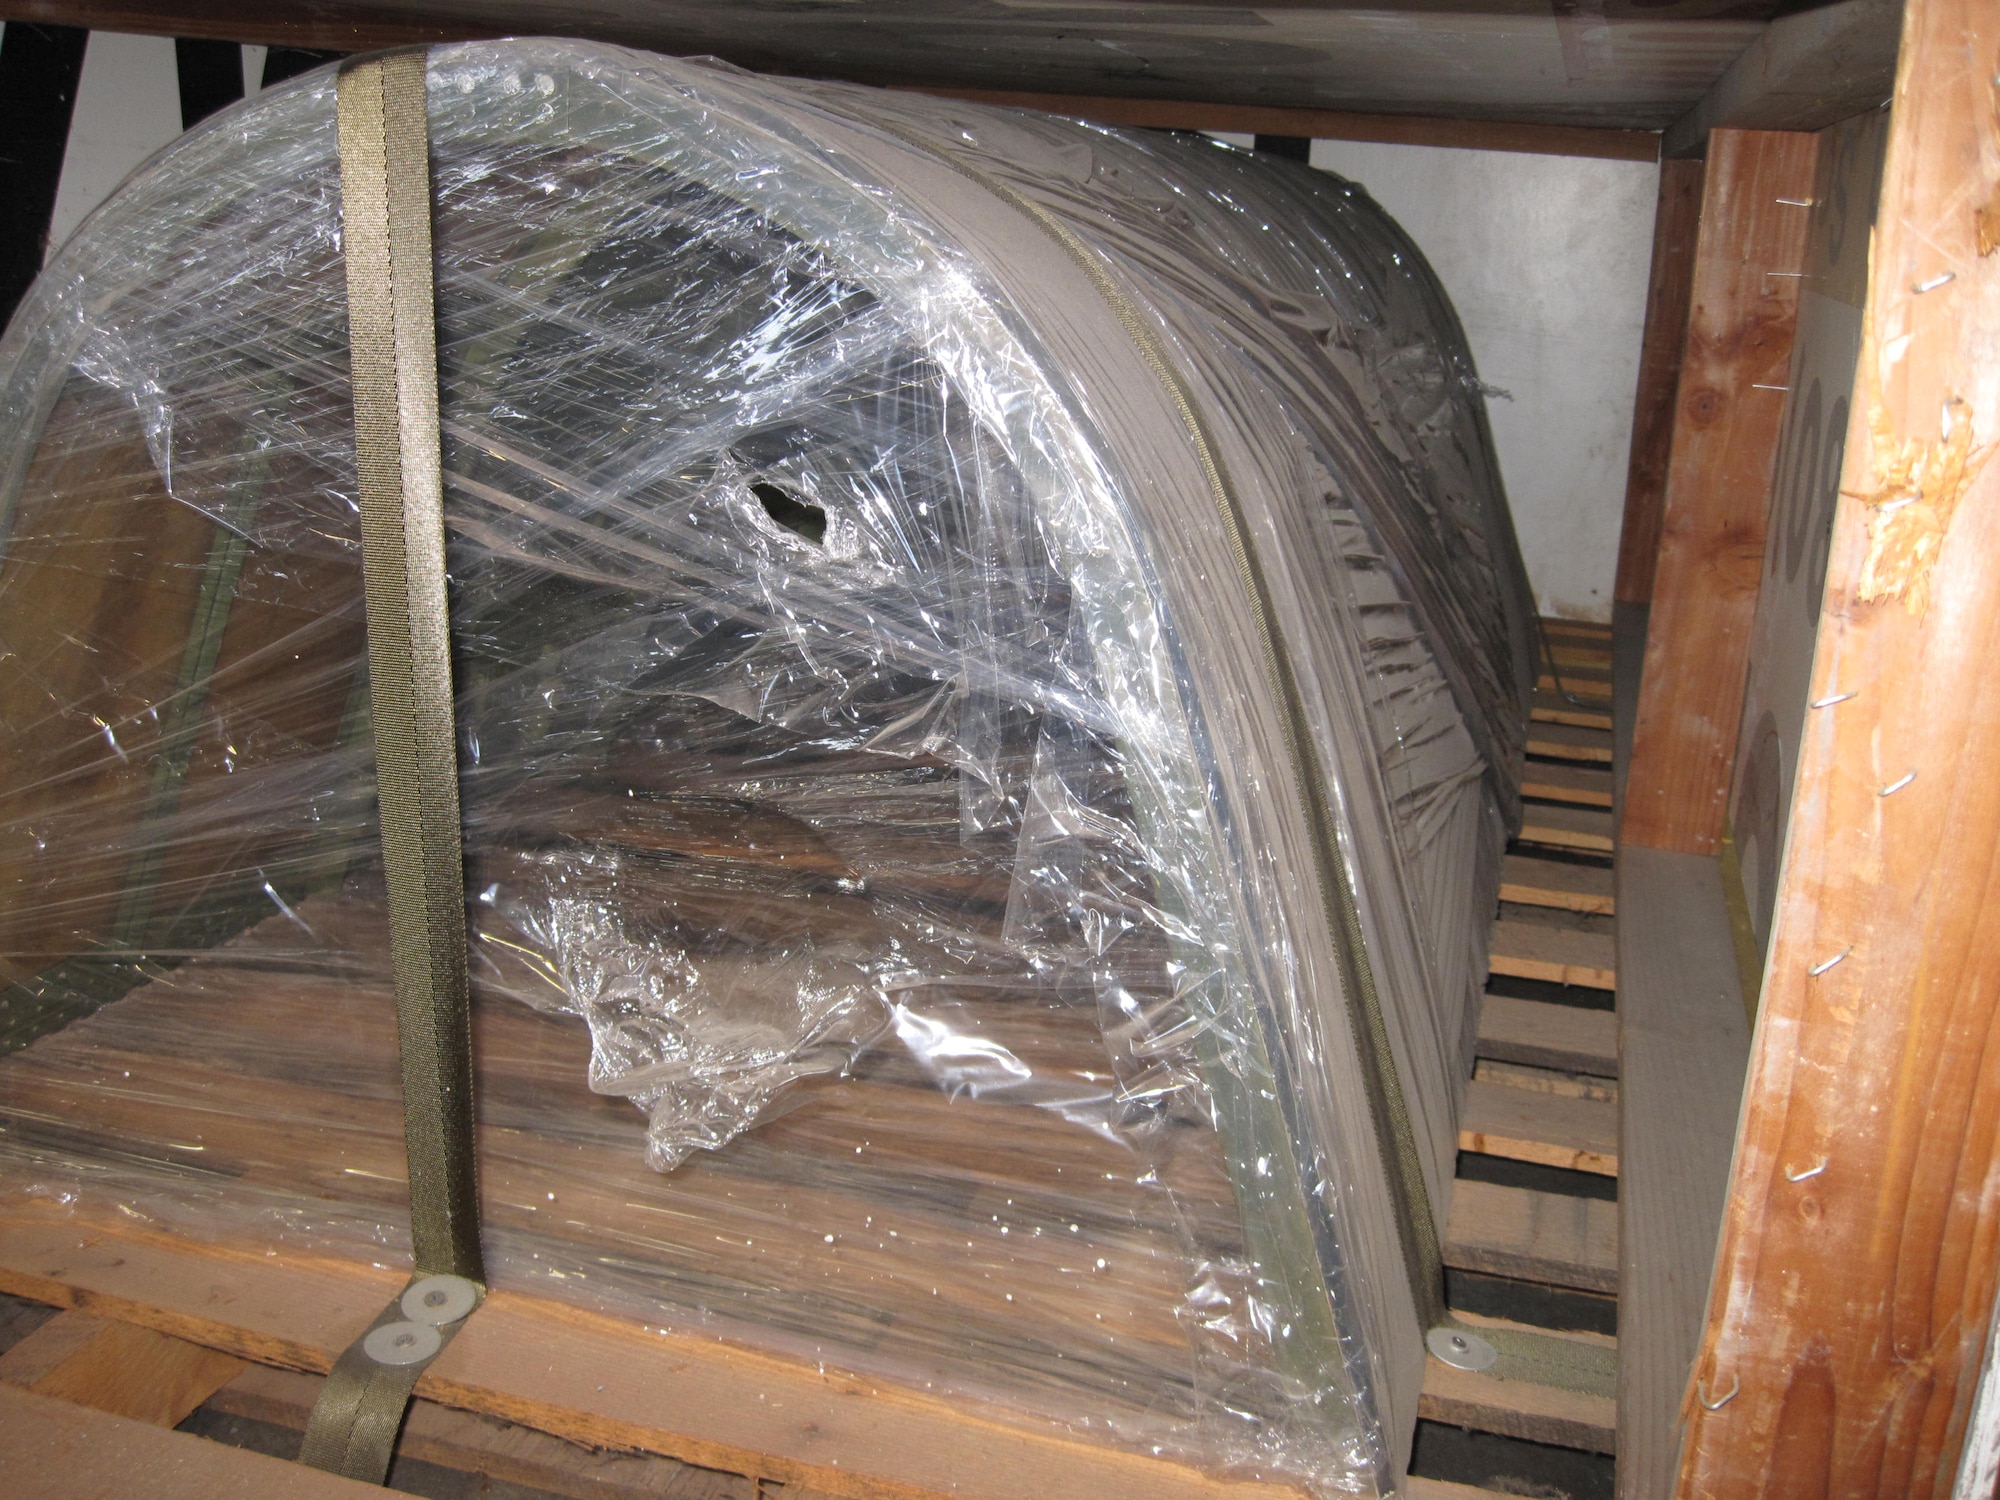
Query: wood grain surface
[1549,1036]
[1731,401]
[118,1368]
[1675,221]
[1579,1135]
[1856,1277]
[1557,955]
[1729,411]
[56,1450]
[1533,1236]
[594,1380]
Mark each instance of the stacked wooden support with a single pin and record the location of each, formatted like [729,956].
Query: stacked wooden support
[1544,1091]
[173,1325]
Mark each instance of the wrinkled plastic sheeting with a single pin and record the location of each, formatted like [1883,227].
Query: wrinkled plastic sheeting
[822,702]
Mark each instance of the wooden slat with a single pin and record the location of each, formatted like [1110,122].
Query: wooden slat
[1531,951]
[1585,630]
[1418,1488]
[1540,1080]
[1591,687]
[1549,1036]
[1587,786]
[592,1379]
[1675,220]
[1731,400]
[1567,742]
[1583,828]
[54,1450]
[1548,882]
[1580,1135]
[1550,707]
[473,1444]
[1683,1042]
[1513,1408]
[117,1368]
[1576,657]
[1547,1237]
[1856,1278]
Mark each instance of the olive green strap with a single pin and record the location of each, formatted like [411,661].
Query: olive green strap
[392,337]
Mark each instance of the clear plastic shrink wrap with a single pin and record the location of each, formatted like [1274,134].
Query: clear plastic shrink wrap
[871,760]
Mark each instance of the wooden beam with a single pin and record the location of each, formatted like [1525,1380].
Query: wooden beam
[1567,742]
[352,27]
[53,1450]
[1332,124]
[1826,349]
[1748,260]
[601,1381]
[1585,786]
[472,1444]
[1520,1408]
[1676,219]
[1806,71]
[1851,1301]
[1584,829]
[118,1368]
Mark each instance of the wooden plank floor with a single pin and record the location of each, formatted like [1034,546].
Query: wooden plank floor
[1545,1095]
[1545,1087]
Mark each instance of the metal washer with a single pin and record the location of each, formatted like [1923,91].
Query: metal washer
[1460,1349]
[439,1299]
[402,1343]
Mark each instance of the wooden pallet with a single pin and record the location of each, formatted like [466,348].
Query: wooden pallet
[538,1394]
[1545,1085]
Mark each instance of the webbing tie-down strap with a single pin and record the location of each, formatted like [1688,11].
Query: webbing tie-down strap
[392,333]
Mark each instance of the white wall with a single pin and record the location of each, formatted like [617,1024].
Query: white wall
[128,105]
[1547,259]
